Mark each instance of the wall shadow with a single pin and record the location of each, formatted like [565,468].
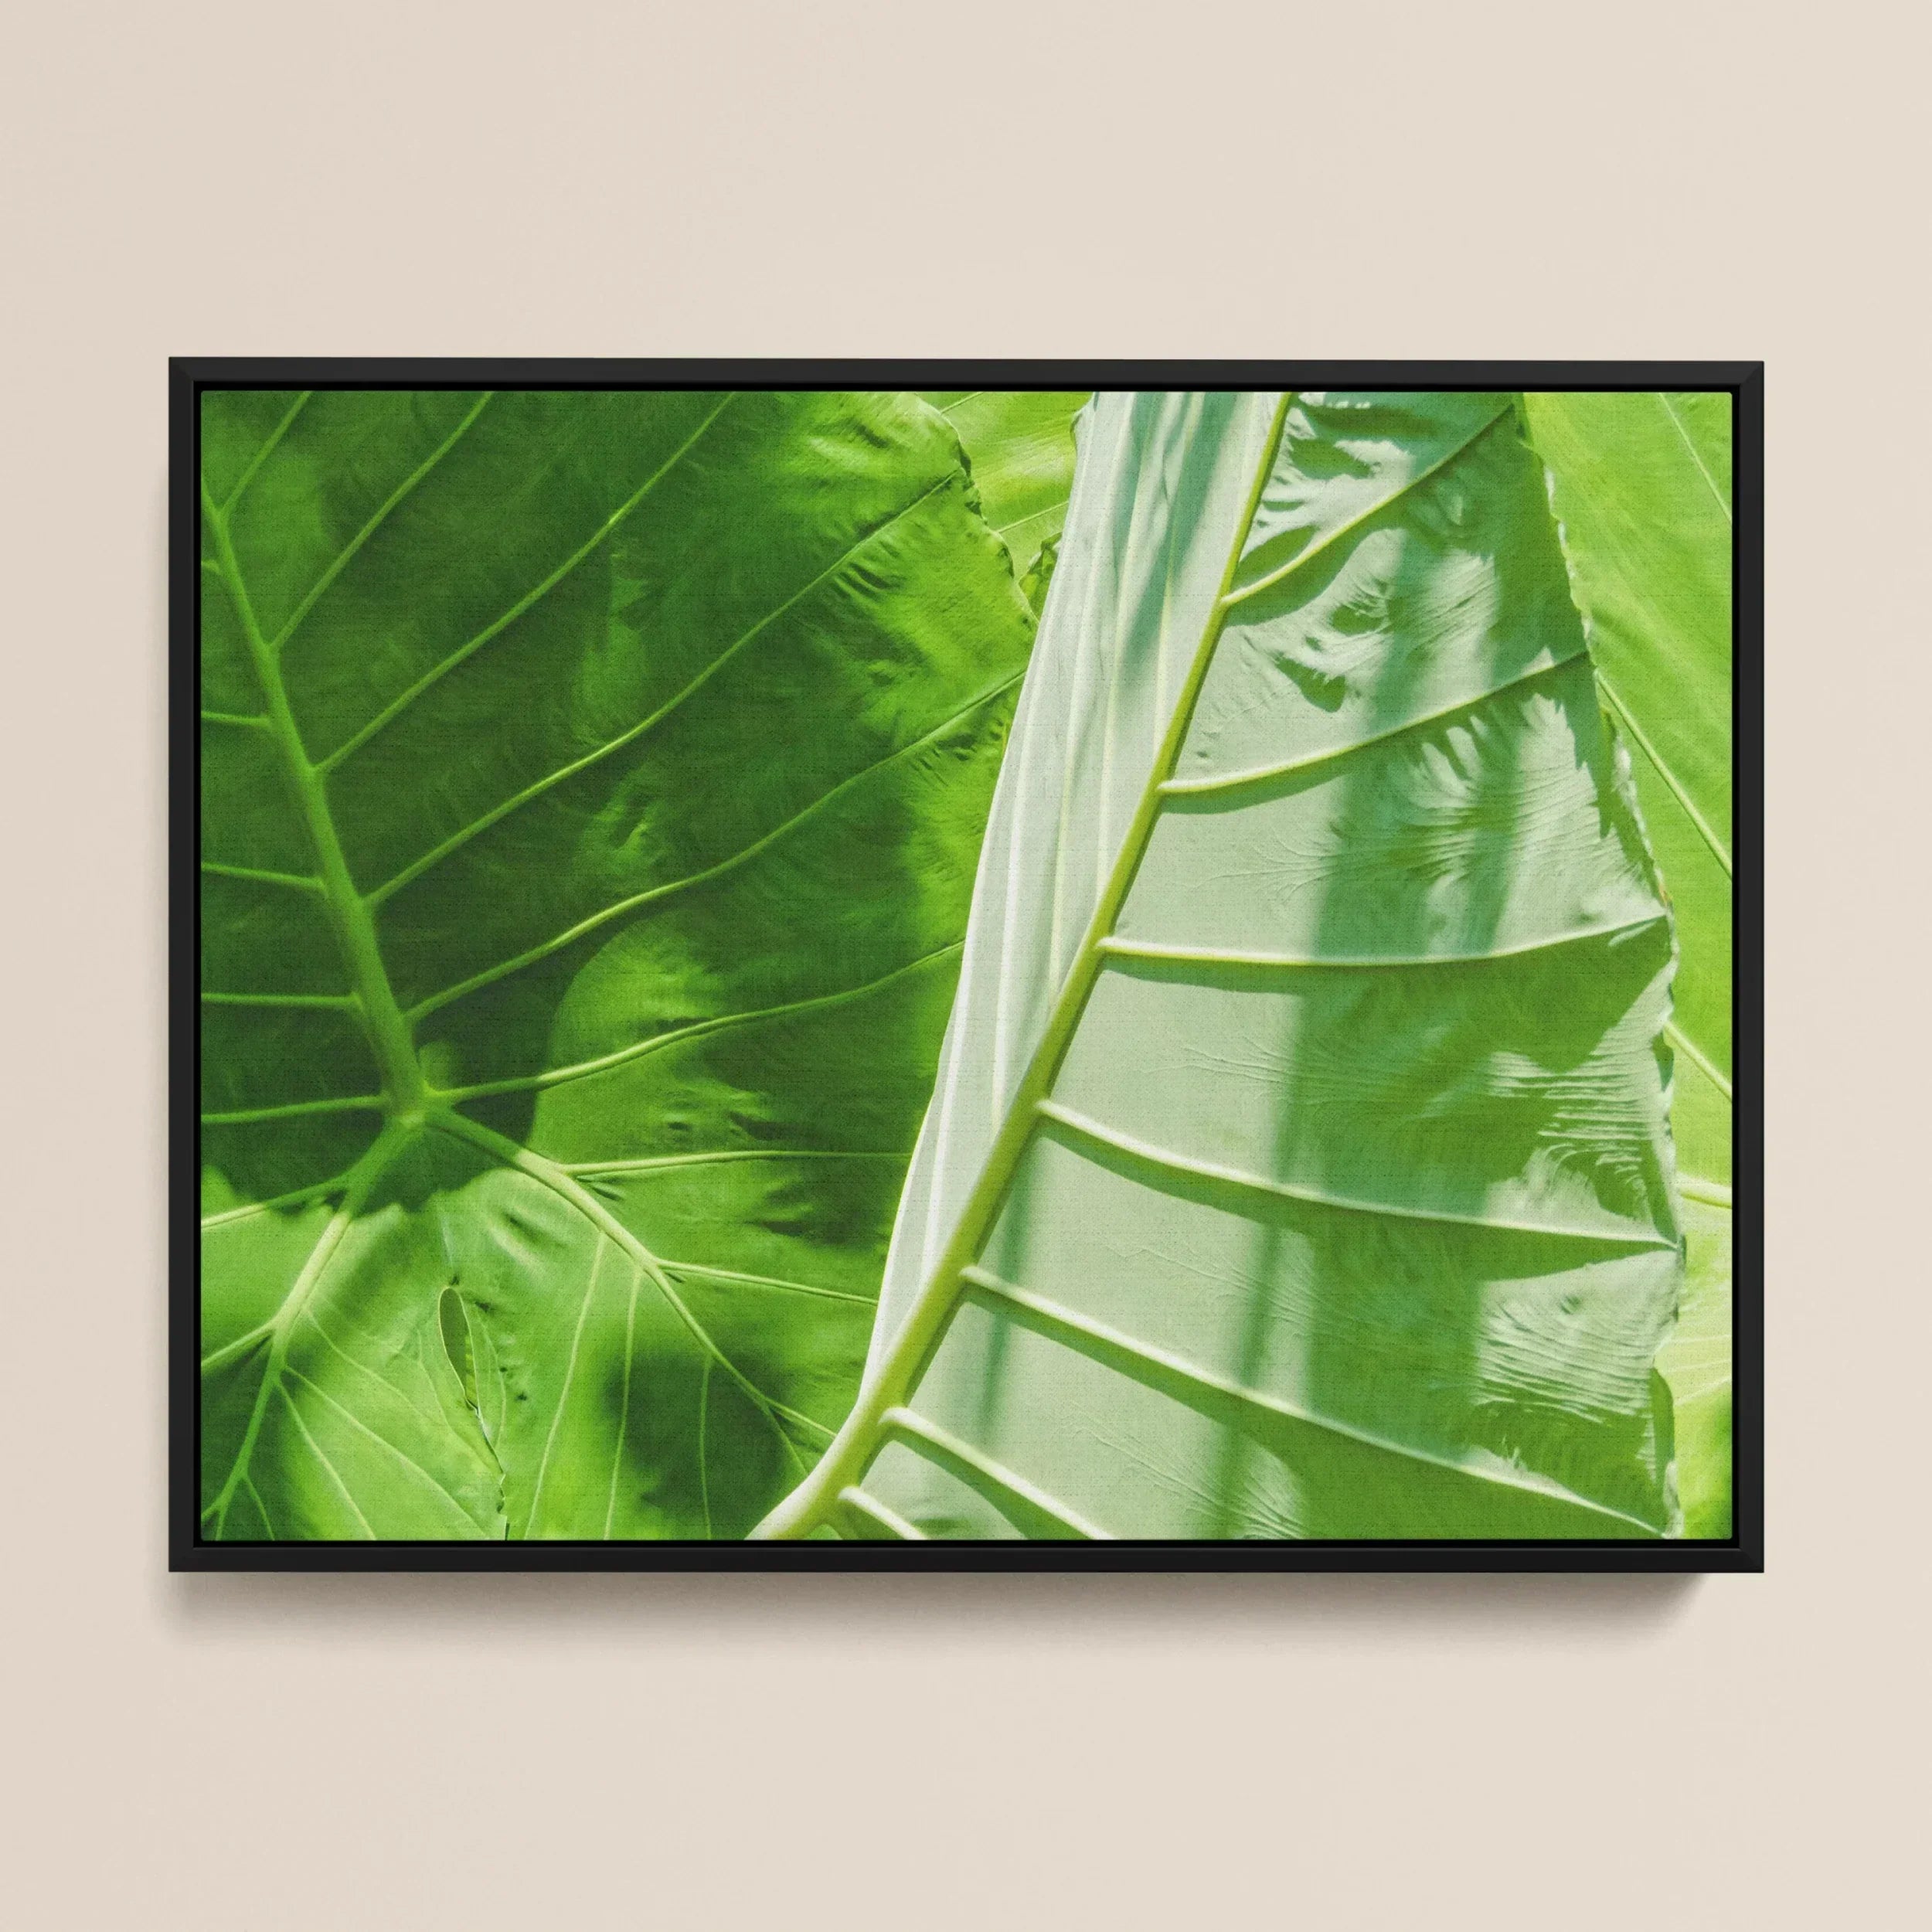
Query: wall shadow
[939,1609]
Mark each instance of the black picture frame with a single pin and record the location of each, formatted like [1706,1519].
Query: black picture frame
[1743,381]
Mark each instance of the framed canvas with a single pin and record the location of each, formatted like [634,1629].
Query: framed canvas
[961,965]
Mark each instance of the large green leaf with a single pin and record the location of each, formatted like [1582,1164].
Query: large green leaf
[1642,486]
[593,786]
[1298,1164]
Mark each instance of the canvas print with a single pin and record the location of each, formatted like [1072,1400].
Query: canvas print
[989,965]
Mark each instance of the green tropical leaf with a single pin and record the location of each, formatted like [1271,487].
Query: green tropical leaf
[1298,1163]
[593,786]
[1020,444]
[1641,485]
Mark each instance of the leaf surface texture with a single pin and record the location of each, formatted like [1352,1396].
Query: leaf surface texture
[1021,445]
[1298,1164]
[1641,484]
[592,785]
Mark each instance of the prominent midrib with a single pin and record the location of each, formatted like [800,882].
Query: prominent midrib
[405,1094]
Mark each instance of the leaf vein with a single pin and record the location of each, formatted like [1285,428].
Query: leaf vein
[1167,1157]
[656,894]
[268,448]
[344,557]
[321,1456]
[561,1076]
[456,840]
[376,1436]
[1677,422]
[1170,1370]
[438,672]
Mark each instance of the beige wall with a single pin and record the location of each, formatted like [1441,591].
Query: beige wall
[995,178]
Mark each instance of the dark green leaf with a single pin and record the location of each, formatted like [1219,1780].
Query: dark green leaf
[593,787]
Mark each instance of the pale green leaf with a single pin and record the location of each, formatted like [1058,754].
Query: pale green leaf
[1298,1164]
